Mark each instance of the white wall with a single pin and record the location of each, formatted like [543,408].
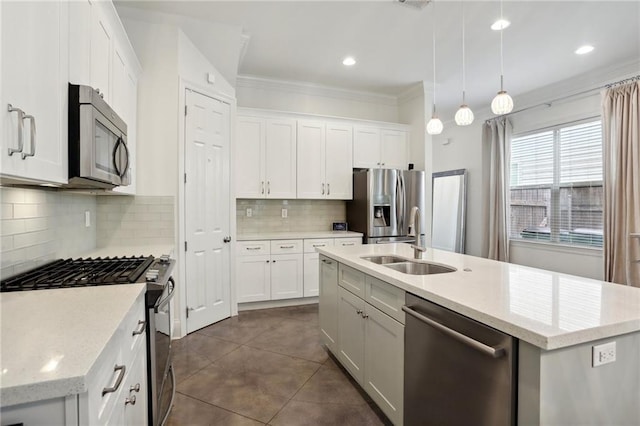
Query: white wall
[157,48]
[312,99]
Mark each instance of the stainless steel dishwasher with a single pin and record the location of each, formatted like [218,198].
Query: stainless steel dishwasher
[457,371]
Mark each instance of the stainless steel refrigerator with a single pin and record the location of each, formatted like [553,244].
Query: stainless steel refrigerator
[382,200]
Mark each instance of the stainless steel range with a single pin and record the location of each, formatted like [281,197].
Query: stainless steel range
[156,272]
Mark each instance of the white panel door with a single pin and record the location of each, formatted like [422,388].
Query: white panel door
[339,162]
[311,160]
[250,145]
[253,282]
[286,276]
[394,149]
[366,147]
[207,221]
[280,158]
[311,274]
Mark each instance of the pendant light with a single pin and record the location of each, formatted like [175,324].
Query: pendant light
[464,115]
[434,126]
[502,103]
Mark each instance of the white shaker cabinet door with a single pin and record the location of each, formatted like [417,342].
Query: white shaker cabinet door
[351,333]
[311,274]
[339,162]
[366,147]
[394,149]
[101,41]
[286,276]
[311,160]
[249,157]
[34,80]
[280,158]
[253,278]
[328,306]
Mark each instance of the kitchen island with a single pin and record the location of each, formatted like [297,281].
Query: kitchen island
[557,319]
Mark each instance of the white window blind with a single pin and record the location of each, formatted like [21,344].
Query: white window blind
[556,185]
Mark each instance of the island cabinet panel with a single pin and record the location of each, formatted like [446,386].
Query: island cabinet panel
[328,309]
[351,280]
[351,333]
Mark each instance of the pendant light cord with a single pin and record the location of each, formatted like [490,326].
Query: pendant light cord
[464,76]
[501,54]
[433,39]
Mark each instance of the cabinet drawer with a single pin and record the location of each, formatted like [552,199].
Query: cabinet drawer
[111,369]
[286,246]
[310,246]
[252,248]
[133,330]
[346,242]
[351,280]
[389,299]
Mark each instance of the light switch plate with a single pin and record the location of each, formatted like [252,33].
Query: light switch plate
[87,218]
[284,213]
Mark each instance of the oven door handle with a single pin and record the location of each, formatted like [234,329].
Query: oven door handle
[162,303]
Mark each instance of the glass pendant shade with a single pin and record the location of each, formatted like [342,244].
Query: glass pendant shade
[464,116]
[502,103]
[434,126]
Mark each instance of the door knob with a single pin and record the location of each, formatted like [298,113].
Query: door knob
[227,239]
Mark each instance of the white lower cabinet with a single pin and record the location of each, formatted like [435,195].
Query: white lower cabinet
[269,270]
[311,259]
[328,305]
[370,332]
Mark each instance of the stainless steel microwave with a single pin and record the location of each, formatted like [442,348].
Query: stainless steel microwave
[98,152]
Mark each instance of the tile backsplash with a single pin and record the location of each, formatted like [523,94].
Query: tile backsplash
[135,221]
[302,215]
[37,226]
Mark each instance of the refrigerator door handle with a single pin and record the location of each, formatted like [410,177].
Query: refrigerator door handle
[398,205]
[403,198]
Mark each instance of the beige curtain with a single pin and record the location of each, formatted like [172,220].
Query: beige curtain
[496,136]
[621,116]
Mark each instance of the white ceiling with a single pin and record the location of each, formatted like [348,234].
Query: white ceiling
[306,41]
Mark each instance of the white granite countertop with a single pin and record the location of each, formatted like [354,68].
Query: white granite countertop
[547,309]
[51,339]
[298,235]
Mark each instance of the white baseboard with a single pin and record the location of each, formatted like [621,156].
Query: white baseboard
[276,303]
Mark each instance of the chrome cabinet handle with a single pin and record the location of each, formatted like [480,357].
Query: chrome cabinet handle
[359,312]
[142,324]
[319,245]
[252,248]
[328,189]
[135,388]
[479,346]
[365,316]
[131,400]
[121,369]
[262,186]
[323,189]
[268,187]
[33,136]
[286,247]
[226,239]
[20,112]
[348,244]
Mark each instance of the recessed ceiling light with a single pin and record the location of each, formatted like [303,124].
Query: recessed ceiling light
[582,50]
[500,24]
[349,61]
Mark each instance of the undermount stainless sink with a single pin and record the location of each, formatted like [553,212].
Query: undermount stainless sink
[415,268]
[384,260]
[407,266]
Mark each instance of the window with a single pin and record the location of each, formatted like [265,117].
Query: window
[556,185]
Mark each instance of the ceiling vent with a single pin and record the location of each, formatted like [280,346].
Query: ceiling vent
[414,4]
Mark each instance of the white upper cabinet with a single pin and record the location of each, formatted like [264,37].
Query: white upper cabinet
[378,147]
[34,77]
[265,158]
[324,160]
[101,56]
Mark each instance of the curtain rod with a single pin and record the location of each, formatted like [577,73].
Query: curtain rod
[584,92]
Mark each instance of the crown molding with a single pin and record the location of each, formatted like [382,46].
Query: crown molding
[414,91]
[253,82]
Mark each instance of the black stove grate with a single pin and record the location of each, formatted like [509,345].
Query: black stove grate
[65,273]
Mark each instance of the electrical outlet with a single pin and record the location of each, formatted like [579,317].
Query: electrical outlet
[249,212]
[284,213]
[604,354]
[87,218]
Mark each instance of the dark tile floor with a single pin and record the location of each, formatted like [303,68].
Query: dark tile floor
[265,367]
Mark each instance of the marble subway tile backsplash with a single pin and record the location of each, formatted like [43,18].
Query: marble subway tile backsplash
[302,215]
[38,226]
[135,221]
